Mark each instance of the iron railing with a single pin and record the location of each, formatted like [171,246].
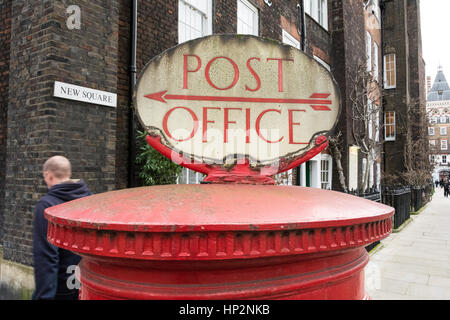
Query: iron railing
[400,200]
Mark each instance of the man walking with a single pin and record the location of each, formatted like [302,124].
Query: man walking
[50,262]
[446,188]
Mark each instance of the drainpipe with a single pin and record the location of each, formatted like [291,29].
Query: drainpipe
[131,114]
[302,24]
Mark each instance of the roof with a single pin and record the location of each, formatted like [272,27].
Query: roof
[440,91]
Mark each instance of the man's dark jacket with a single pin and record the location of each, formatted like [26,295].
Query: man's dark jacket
[51,262]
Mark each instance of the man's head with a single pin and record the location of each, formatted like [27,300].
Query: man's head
[56,170]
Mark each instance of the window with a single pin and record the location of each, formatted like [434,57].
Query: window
[433,120]
[285,178]
[371,177]
[323,13]
[325,172]
[443,131]
[377,126]
[431,131]
[443,119]
[189,177]
[376,8]
[389,126]
[364,168]
[369,51]
[444,159]
[247,18]
[390,80]
[318,10]
[378,176]
[375,61]
[444,145]
[290,40]
[353,168]
[432,142]
[370,114]
[194,19]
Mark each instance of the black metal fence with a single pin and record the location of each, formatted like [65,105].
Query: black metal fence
[371,194]
[420,196]
[400,200]
[416,198]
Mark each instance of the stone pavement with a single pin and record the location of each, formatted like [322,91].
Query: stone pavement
[414,264]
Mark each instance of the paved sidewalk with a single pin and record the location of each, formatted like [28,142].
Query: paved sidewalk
[414,264]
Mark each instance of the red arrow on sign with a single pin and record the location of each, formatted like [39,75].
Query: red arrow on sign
[314,101]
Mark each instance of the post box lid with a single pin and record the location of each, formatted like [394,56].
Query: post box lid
[181,208]
[216,222]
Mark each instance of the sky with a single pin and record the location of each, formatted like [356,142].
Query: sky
[435,23]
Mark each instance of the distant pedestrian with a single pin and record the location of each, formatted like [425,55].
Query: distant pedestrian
[50,262]
[436,183]
[446,188]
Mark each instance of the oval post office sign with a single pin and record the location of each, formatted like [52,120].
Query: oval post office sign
[237,108]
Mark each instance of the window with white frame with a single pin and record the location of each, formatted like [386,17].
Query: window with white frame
[194,19]
[378,176]
[443,131]
[444,144]
[432,143]
[323,13]
[290,40]
[326,164]
[443,119]
[377,126]
[390,72]
[369,51]
[375,61]
[318,10]
[431,131]
[389,126]
[189,177]
[364,168]
[247,18]
[370,114]
[371,177]
[444,159]
[376,8]
[433,120]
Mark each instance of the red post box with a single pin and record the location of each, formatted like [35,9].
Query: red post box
[220,242]
[240,237]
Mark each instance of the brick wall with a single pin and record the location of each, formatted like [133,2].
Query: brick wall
[348,50]
[43,50]
[396,41]
[123,95]
[417,65]
[5,34]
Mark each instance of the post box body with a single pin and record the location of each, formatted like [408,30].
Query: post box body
[220,242]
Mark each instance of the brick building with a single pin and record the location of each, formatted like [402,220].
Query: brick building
[438,109]
[87,43]
[404,84]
